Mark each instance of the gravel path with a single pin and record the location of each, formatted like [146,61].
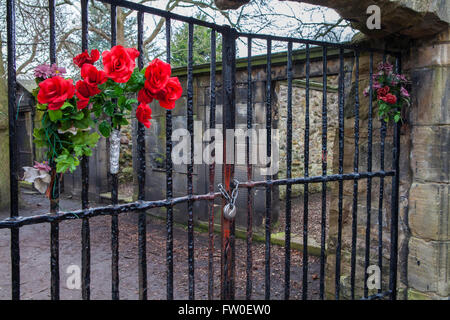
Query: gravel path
[314,216]
[35,256]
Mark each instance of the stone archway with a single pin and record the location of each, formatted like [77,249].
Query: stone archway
[411,18]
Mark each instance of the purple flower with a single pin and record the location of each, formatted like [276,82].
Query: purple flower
[386,67]
[57,71]
[42,166]
[46,71]
[366,92]
[43,71]
[377,85]
[404,92]
[402,78]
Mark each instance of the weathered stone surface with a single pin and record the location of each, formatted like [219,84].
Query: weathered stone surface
[412,18]
[428,266]
[430,153]
[429,213]
[298,132]
[430,96]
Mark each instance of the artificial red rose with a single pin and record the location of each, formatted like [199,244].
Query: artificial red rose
[157,74]
[170,94]
[119,63]
[389,98]
[55,91]
[144,96]
[82,103]
[86,90]
[383,91]
[144,114]
[84,57]
[92,76]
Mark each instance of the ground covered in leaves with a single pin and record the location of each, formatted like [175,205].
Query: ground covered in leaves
[35,259]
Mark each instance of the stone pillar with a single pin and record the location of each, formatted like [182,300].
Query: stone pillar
[428,263]
[362,205]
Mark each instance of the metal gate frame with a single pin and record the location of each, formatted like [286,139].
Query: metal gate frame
[229,37]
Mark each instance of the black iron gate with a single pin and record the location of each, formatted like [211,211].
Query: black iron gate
[229,37]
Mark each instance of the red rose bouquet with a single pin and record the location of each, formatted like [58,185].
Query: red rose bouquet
[389,90]
[102,99]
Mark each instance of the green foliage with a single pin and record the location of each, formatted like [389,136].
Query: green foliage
[65,135]
[202,45]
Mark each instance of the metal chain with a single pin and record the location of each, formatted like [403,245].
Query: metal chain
[234,194]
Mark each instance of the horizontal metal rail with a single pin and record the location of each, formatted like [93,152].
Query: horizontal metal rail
[139,205]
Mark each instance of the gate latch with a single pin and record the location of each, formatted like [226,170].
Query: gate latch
[229,211]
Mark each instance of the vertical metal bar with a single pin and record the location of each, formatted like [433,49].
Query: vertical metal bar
[114,194]
[13,151]
[142,221]
[169,183]
[212,166]
[355,182]
[394,202]
[306,174]
[369,180]
[324,173]
[190,167]
[249,285]
[380,200]
[341,171]
[269,153]
[85,228]
[287,263]
[228,117]
[54,201]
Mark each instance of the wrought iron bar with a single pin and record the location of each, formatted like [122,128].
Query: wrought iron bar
[287,252]
[13,149]
[55,188]
[355,182]
[212,166]
[249,240]
[341,171]
[228,122]
[85,227]
[369,180]
[142,220]
[269,153]
[324,173]
[394,203]
[114,193]
[169,181]
[190,166]
[380,200]
[306,176]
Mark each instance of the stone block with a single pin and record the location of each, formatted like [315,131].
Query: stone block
[429,212]
[428,266]
[429,54]
[430,95]
[430,153]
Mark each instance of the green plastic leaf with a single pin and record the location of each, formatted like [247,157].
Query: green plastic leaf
[67,105]
[105,128]
[55,115]
[78,116]
[92,139]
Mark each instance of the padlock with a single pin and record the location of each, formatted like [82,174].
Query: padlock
[229,211]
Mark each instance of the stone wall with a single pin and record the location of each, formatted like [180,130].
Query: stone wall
[428,260]
[424,212]
[298,129]
[362,205]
